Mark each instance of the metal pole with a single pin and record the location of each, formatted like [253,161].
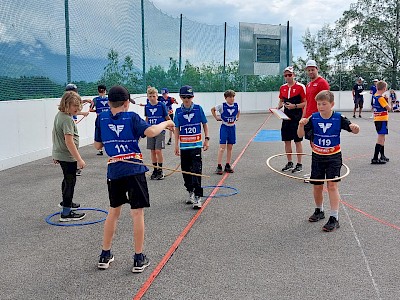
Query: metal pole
[67,43]
[224,71]
[143,48]
[287,45]
[180,53]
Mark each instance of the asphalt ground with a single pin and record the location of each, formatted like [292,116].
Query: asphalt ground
[257,244]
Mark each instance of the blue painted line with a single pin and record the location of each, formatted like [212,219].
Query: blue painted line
[268,136]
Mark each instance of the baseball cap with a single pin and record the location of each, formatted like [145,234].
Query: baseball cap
[288,69]
[360,78]
[186,90]
[118,93]
[164,91]
[311,63]
[71,87]
[375,80]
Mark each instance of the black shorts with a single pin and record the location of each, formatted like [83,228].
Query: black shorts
[325,167]
[289,131]
[358,102]
[130,189]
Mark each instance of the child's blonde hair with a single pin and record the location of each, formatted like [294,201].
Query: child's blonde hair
[381,85]
[151,90]
[325,95]
[69,99]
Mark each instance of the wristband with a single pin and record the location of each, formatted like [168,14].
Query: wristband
[207,138]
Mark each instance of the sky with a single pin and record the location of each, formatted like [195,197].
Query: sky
[301,14]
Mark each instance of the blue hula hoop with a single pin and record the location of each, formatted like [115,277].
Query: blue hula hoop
[235,191]
[48,218]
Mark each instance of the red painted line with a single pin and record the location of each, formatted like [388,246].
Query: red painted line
[185,231]
[370,216]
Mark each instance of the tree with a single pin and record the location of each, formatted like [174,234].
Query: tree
[112,73]
[370,36]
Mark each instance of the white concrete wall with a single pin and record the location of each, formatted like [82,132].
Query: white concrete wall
[26,125]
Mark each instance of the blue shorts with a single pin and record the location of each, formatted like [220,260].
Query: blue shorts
[227,135]
[381,127]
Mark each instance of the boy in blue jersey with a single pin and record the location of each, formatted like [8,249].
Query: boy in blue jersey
[189,118]
[119,131]
[323,130]
[100,104]
[372,91]
[168,101]
[229,114]
[155,113]
[381,118]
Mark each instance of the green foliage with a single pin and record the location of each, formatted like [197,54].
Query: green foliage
[29,88]
[369,37]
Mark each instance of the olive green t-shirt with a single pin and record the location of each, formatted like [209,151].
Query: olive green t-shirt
[63,124]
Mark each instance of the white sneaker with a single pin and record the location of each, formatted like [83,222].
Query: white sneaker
[190,200]
[197,202]
[307,178]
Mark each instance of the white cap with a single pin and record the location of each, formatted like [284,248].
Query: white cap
[375,80]
[360,78]
[288,69]
[311,63]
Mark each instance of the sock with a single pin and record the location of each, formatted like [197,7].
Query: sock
[335,213]
[160,164]
[321,208]
[377,150]
[105,253]
[66,211]
[227,165]
[299,164]
[382,151]
[219,166]
[155,166]
[138,256]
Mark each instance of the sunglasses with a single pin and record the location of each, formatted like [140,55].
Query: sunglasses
[288,75]
[186,97]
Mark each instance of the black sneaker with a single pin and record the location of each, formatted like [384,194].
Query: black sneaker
[288,167]
[331,225]
[78,172]
[140,264]
[317,215]
[298,168]
[73,206]
[100,152]
[228,169]
[197,202]
[354,116]
[160,175]
[169,142]
[104,262]
[359,116]
[219,171]
[154,174]
[377,161]
[72,216]
[384,158]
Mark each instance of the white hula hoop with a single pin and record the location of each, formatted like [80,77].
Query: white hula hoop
[302,178]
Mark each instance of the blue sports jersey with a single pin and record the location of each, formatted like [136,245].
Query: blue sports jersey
[120,134]
[155,113]
[326,133]
[229,113]
[189,122]
[101,104]
[167,102]
[373,90]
